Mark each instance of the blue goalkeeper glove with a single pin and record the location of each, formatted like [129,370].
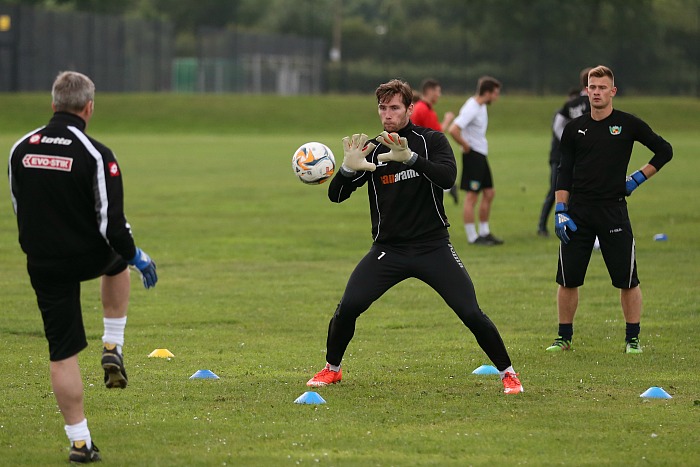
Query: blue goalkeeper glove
[146,267]
[562,221]
[634,180]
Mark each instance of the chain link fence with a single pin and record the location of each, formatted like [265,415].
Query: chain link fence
[231,61]
[119,54]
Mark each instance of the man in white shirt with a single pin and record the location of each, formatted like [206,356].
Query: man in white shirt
[469,131]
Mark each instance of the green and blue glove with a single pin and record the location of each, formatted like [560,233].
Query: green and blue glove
[634,180]
[562,221]
[146,268]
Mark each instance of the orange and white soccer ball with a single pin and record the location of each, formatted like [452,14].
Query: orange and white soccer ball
[313,163]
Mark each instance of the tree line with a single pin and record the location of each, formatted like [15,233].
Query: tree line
[532,46]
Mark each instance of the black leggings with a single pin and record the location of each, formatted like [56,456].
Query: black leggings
[440,268]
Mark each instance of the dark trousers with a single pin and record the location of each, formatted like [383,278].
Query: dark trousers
[549,199]
[440,268]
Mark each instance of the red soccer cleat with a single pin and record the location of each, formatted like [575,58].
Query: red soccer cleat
[511,383]
[325,377]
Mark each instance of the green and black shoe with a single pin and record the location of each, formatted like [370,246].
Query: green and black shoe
[633,346]
[560,344]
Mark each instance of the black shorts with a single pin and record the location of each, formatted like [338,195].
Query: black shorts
[611,224]
[476,173]
[57,287]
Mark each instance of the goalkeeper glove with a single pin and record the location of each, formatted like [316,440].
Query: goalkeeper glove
[355,150]
[146,268]
[398,149]
[634,180]
[561,221]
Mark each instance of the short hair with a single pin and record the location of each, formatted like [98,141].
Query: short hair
[386,91]
[602,71]
[487,84]
[428,84]
[72,91]
[583,77]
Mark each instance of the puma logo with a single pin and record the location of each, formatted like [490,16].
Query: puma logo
[583,132]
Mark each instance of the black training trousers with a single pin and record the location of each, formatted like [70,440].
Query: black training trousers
[438,266]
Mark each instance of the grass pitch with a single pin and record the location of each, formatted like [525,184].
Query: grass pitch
[252,264]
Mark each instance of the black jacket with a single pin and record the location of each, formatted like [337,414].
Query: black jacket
[405,202]
[67,193]
[595,156]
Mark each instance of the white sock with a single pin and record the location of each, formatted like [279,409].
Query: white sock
[333,367]
[507,370]
[470,229]
[79,432]
[114,331]
[484,229]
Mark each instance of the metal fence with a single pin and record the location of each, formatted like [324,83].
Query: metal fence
[231,61]
[119,54]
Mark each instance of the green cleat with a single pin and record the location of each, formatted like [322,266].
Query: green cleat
[560,344]
[633,346]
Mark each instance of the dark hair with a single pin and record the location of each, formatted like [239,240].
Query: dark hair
[428,84]
[487,84]
[385,92]
[583,77]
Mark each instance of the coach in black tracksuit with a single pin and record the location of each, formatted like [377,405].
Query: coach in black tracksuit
[409,229]
[67,194]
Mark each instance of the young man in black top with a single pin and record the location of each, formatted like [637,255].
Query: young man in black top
[591,190]
[68,197]
[406,168]
[574,107]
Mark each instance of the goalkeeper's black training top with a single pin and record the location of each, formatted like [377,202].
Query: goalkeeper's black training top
[405,202]
[67,193]
[595,156]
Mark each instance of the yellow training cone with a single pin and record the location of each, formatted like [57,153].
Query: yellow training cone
[161,353]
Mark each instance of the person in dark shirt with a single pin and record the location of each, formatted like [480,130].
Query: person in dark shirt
[590,201]
[576,105]
[406,168]
[67,194]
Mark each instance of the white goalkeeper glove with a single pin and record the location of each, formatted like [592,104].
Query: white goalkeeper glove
[355,150]
[398,148]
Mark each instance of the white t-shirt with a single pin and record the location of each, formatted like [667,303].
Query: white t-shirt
[473,119]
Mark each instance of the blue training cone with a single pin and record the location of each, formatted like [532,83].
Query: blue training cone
[485,370]
[310,397]
[656,392]
[204,374]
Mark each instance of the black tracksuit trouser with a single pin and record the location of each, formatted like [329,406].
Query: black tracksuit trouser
[438,266]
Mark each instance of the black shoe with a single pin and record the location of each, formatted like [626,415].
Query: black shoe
[491,238]
[542,233]
[113,364]
[79,453]
[454,192]
[485,241]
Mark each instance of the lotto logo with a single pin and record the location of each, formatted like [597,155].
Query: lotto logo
[113,169]
[37,138]
[39,161]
